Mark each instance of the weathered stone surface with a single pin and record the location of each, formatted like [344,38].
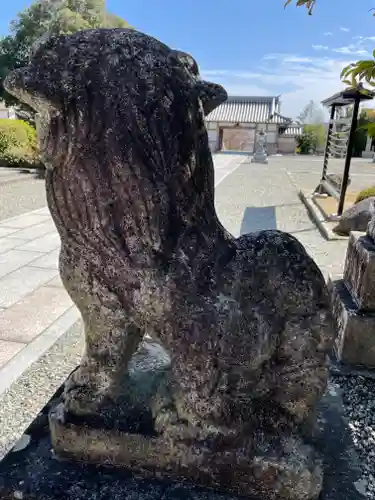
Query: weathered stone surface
[260,155]
[356,218]
[246,322]
[371,228]
[355,342]
[359,271]
[335,180]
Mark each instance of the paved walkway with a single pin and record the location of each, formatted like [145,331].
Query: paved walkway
[20,192]
[259,197]
[32,298]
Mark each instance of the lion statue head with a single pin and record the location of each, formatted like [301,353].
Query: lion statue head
[122,134]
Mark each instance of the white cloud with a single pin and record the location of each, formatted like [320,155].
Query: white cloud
[351,50]
[346,30]
[297,78]
[328,33]
[320,47]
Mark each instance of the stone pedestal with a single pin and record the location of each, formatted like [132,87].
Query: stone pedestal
[359,271]
[259,157]
[34,473]
[124,435]
[353,303]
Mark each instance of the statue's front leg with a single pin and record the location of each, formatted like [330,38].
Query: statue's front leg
[111,339]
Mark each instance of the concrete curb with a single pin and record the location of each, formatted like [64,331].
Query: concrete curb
[20,175]
[16,366]
[318,217]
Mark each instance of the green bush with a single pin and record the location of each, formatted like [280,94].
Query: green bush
[306,143]
[365,193]
[6,141]
[18,144]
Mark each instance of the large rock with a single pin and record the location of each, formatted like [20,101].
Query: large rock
[335,180]
[245,322]
[356,218]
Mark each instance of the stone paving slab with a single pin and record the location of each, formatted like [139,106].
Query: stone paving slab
[23,221]
[47,261]
[8,243]
[46,243]
[6,231]
[32,298]
[33,314]
[14,259]
[34,231]
[8,349]
[16,285]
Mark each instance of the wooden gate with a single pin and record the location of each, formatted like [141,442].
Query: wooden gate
[237,139]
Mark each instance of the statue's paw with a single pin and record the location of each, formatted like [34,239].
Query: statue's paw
[83,395]
[83,400]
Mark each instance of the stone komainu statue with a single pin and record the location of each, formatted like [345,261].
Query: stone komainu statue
[130,186]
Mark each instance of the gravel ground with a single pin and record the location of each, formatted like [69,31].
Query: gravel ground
[20,194]
[358,394]
[21,403]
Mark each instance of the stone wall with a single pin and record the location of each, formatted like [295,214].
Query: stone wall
[286,145]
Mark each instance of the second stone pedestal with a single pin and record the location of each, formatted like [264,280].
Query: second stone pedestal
[355,342]
[359,272]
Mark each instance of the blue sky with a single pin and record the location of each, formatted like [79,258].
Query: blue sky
[255,47]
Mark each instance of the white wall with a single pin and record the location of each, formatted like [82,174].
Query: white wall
[7,112]
[213,135]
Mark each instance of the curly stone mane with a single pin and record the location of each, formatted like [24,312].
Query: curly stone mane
[123,123]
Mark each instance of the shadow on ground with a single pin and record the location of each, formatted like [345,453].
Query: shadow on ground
[37,173]
[264,218]
[258,219]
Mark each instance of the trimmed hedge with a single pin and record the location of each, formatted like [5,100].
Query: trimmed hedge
[18,144]
[365,193]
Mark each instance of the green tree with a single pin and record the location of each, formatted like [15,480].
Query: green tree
[314,132]
[311,114]
[45,17]
[353,74]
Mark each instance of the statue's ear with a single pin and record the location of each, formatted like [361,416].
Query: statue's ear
[183,58]
[211,95]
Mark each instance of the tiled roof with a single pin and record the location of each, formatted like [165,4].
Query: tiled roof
[248,109]
[277,118]
[293,130]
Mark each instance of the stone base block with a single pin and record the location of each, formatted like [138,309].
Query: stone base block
[259,159]
[359,272]
[32,472]
[281,468]
[258,461]
[355,342]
